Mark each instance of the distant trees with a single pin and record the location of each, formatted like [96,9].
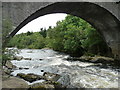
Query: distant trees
[27,40]
[72,35]
[43,32]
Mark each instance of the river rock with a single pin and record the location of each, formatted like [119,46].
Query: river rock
[30,77]
[6,71]
[40,59]
[86,58]
[27,58]
[51,76]
[101,59]
[14,83]
[20,68]
[42,86]
[18,57]
[47,84]
[9,65]
[96,59]
[30,52]
[65,80]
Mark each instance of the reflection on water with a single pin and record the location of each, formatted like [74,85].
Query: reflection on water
[75,73]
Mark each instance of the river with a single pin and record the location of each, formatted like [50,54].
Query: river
[74,73]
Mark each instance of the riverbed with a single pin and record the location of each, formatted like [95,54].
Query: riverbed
[76,74]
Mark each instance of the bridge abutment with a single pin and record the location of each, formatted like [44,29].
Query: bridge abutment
[115,47]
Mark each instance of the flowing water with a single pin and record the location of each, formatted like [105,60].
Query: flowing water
[74,73]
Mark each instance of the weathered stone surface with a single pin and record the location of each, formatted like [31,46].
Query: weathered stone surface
[6,71]
[30,77]
[51,76]
[9,65]
[14,82]
[47,84]
[91,59]
[101,59]
[18,58]
[42,86]
[27,58]
[65,80]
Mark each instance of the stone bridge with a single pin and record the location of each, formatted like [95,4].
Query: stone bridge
[104,16]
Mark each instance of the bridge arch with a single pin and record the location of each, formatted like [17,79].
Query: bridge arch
[100,18]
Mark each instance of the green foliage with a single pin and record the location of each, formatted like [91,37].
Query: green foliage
[8,54]
[27,40]
[43,32]
[94,42]
[6,28]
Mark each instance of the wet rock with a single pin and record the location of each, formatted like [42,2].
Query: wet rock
[40,59]
[30,77]
[18,58]
[64,80]
[22,68]
[27,58]
[96,59]
[9,65]
[47,84]
[101,59]
[51,76]
[6,71]
[25,68]
[42,70]
[86,58]
[30,52]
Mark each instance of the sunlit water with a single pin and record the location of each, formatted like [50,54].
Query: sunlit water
[74,73]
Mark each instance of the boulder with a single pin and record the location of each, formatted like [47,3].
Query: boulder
[47,84]
[9,65]
[22,68]
[13,83]
[101,59]
[64,80]
[40,59]
[51,76]
[6,71]
[27,58]
[18,58]
[42,86]
[30,77]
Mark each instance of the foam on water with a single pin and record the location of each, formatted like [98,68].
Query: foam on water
[82,74]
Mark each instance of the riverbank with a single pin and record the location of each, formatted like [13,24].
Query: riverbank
[100,61]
